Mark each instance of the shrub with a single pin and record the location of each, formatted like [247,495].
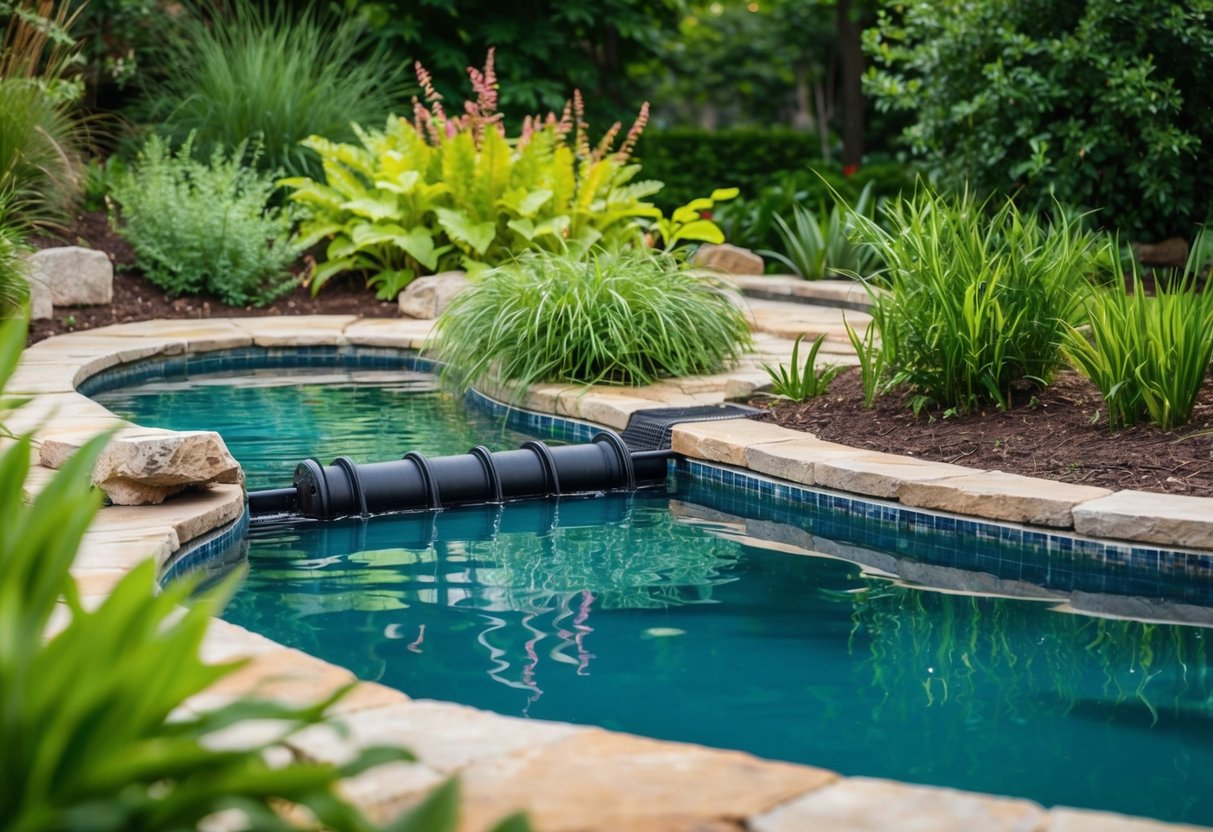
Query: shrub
[817,246]
[41,135]
[1147,355]
[271,74]
[1103,103]
[798,384]
[92,717]
[977,302]
[198,227]
[446,192]
[624,317]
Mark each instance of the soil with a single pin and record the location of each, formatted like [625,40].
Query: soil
[1058,433]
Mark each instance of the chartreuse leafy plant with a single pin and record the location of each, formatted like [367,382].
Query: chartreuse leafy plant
[820,245]
[1148,355]
[977,300]
[799,384]
[205,226]
[91,718]
[442,192]
[627,317]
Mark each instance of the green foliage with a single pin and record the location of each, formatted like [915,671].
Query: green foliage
[821,245]
[198,227]
[691,222]
[871,360]
[14,288]
[1147,355]
[613,317]
[41,134]
[447,192]
[799,384]
[262,73]
[92,722]
[116,38]
[549,47]
[976,301]
[1103,104]
[751,222]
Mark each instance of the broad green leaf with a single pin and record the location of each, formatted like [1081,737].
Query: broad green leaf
[418,244]
[461,228]
[702,230]
[376,207]
[721,194]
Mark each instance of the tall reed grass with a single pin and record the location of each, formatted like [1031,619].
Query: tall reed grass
[977,300]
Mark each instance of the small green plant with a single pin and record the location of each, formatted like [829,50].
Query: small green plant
[692,222]
[819,245]
[205,227]
[271,74]
[797,384]
[1148,356]
[612,317]
[92,722]
[871,360]
[41,133]
[977,300]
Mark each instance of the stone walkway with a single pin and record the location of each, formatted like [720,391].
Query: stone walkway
[574,777]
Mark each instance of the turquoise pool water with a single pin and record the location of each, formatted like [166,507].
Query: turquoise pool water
[664,614]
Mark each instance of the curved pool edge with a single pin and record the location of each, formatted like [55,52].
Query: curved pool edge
[566,776]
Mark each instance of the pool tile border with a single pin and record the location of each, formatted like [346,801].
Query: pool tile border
[583,777]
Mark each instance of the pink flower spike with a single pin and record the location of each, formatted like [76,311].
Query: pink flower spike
[629,144]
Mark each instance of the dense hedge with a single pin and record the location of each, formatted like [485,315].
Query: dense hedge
[691,161]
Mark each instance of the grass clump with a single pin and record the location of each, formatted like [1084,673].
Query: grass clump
[627,317]
[14,288]
[799,384]
[198,227]
[274,75]
[1148,356]
[820,245]
[977,301]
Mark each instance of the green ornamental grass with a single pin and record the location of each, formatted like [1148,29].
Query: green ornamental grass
[274,75]
[977,301]
[820,245]
[798,383]
[1148,355]
[14,288]
[627,317]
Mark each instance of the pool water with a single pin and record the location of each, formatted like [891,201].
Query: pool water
[655,614]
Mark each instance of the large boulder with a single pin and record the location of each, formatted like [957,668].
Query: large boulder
[1171,253]
[727,258]
[428,297]
[76,276]
[144,466]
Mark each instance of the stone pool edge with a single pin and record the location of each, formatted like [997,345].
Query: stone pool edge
[568,777]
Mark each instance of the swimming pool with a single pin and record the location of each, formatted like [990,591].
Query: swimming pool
[665,614]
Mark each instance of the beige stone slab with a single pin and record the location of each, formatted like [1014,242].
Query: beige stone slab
[745,382]
[860,804]
[1000,496]
[125,548]
[613,410]
[61,412]
[794,459]
[1062,819]
[389,332]
[385,792]
[444,736]
[727,440]
[225,642]
[43,377]
[880,475]
[297,331]
[189,514]
[196,335]
[99,583]
[599,781]
[1153,518]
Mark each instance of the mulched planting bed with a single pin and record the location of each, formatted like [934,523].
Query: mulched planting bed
[1049,434]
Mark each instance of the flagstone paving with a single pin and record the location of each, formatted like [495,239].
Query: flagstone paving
[573,777]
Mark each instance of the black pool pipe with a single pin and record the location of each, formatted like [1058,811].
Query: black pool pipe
[344,488]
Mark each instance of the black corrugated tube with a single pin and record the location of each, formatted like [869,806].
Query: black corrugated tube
[344,488]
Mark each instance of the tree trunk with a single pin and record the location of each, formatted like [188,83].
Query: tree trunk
[850,51]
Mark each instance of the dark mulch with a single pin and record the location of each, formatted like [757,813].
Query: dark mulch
[1051,437]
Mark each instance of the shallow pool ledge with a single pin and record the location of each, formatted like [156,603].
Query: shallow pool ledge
[566,776]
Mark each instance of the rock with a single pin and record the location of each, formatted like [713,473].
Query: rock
[141,467]
[728,258]
[428,297]
[76,276]
[1169,519]
[40,304]
[1170,253]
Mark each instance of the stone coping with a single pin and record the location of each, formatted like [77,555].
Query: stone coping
[568,777]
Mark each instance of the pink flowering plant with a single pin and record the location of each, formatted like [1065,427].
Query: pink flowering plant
[449,191]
